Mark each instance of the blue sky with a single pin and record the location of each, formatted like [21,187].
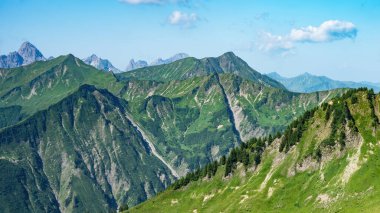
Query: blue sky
[340,38]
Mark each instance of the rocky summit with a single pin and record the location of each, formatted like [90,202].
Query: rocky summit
[101,64]
[26,54]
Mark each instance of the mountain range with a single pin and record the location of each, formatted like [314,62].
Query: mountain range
[312,83]
[141,63]
[74,138]
[124,139]
[26,54]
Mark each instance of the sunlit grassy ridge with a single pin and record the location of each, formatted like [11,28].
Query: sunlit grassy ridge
[341,178]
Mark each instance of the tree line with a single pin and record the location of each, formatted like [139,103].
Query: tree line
[250,153]
[247,154]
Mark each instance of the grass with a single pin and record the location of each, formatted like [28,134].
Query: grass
[312,190]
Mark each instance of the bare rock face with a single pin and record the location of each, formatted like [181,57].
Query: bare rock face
[174,58]
[30,53]
[136,64]
[99,63]
[27,54]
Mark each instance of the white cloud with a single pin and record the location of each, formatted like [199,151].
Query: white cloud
[328,31]
[273,42]
[183,19]
[331,30]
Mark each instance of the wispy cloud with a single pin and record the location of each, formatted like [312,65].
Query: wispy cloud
[328,31]
[156,2]
[136,2]
[183,19]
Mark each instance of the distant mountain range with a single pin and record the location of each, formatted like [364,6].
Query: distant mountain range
[174,58]
[26,54]
[136,64]
[101,64]
[312,83]
[141,63]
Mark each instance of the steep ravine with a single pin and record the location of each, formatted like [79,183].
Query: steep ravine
[331,164]
[152,147]
[231,114]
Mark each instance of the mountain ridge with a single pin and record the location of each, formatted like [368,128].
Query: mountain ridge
[191,67]
[311,83]
[174,116]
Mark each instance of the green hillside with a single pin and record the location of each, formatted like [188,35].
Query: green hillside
[81,154]
[192,67]
[219,110]
[326,161]
[35,87]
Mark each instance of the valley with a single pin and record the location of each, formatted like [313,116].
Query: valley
[183,123]
[331,165]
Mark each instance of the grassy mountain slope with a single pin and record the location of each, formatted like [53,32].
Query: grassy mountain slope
[221,110]
[192,67]
[80,150]
[35,87]
[330,163]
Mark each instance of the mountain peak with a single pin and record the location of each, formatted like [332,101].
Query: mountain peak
[27,45]
[70,57]
[307,74]
[229,54]
[136,64]
[99,63]
[30,53]
[93,56]
[275,75]
[172,59]
[233,59]
[26,54]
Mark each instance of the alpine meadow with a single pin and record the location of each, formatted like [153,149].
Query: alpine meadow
[189,106]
